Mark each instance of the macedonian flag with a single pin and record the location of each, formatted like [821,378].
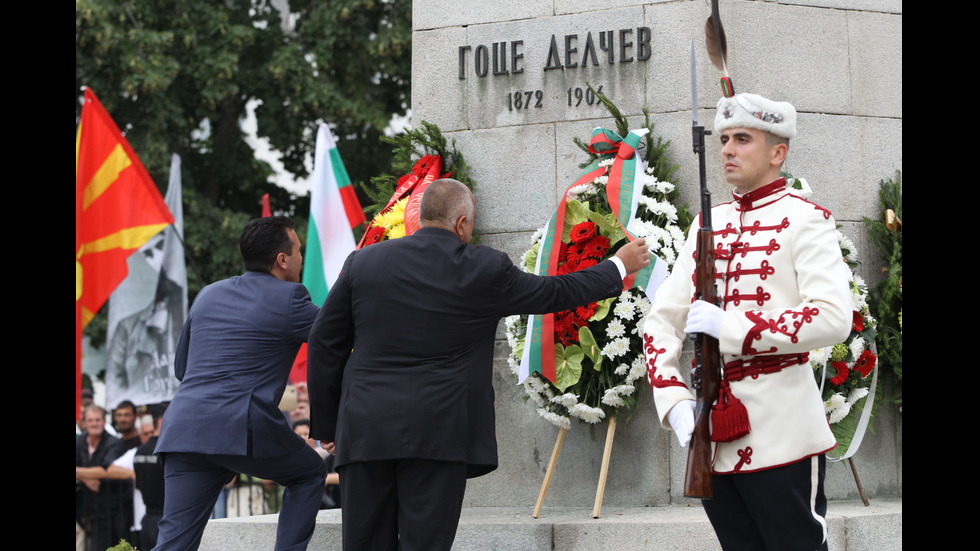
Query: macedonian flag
[118,208]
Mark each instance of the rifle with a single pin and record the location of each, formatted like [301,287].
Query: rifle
[706,374]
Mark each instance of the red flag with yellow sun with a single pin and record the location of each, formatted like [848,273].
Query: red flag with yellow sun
[118,208]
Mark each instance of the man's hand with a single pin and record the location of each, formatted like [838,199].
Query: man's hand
[681,419]
[635,255]
[704,317]
[91,484]
[329,446]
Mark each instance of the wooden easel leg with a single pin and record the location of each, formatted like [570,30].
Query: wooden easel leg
[864,498]
[606,452]
[550,471]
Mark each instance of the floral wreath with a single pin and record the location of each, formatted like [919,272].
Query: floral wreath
[843,371]
[598,347]
[396,202]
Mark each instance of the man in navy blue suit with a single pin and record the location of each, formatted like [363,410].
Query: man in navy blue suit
[400,370]
[233,361]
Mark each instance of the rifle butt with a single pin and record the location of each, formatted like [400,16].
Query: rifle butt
[697,477]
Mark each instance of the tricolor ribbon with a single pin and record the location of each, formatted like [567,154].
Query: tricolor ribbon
[624,186]
[413,184]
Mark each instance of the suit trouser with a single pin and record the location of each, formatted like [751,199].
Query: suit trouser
[192,482]
[776,509]
[403,504]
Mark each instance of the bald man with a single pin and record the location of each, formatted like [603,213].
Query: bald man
[400,368]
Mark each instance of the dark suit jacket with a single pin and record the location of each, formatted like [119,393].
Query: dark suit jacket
[420,314]
[233,361]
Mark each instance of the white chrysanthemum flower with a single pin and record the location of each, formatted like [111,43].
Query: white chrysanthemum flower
[624,308]
[555,419]
[819,357]
[856,394]
[607,162]
[513,364]
[533,393]
[567,400]
[580,190]
[637,370]
[839,413]
[834,402]
[857,347]
[616,347]
[586,413]
[622,369]
[848,245]
[624,390]
[643,306]
[615,328]
[612,398]
[538,234]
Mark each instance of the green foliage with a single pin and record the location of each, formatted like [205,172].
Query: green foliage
[409,147]
[123,545]
[177,77]
[654,153]
[886,305]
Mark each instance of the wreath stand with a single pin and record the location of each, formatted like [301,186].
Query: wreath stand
[603,471]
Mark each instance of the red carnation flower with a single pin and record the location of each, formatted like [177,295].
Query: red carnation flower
[865,363]
[842,373]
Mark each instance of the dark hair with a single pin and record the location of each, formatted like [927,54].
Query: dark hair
[263,239]
[301,422]
[125,404]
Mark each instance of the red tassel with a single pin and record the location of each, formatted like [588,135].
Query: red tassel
[729,419]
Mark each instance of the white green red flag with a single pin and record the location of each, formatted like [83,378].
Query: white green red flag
[334,211]
[624,186]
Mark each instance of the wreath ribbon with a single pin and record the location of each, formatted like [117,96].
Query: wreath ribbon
[623,189]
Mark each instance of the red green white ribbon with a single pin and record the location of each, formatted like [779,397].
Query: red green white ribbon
[623,189]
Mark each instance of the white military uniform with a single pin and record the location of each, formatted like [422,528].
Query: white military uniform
[783,286]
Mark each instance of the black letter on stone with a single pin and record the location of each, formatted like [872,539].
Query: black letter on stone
[623,44]
[589,51]
[643,43]
[554,60]
[606,45]
[514,56]
[500,62]
[569,38]
[482,61]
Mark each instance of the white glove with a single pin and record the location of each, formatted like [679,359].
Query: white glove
[681,418]
[704,317]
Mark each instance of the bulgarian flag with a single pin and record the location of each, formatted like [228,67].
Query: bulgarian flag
[334,211]
[624,186]
[118,208]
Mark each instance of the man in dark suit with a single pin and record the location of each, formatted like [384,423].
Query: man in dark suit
[400,368]
[233,360]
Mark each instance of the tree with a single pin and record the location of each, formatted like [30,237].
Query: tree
[177,76]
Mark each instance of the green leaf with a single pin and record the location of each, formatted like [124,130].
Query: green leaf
[590,347]
[602,309]
[568,365]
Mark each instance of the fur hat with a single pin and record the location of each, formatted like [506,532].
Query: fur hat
[754,111]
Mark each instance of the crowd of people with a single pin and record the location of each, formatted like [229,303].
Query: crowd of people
[119,491]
